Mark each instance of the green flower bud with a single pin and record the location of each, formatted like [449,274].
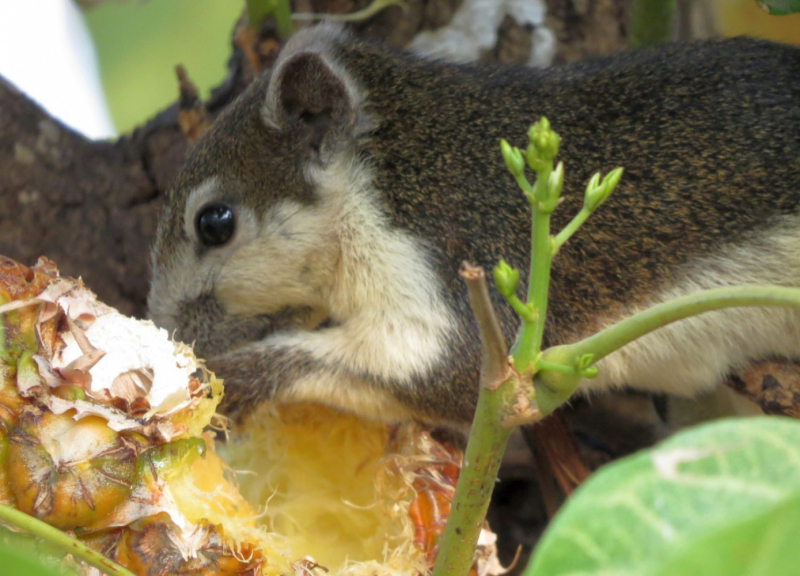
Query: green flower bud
[594,182]
[544,143]
[612,179]
[513,157]
[536,162]
[590,372]
[596,193]
[585,367]
[543,123]
[585,362]
[506,278]
[556,181]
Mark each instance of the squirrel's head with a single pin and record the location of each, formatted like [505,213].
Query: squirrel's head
[250,232]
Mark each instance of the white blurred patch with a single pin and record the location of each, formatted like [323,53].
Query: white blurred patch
[473,30]
[46,51]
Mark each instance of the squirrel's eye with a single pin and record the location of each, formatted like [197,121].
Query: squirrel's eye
[215,224]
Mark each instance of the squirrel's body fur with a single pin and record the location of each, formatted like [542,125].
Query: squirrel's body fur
[361,179]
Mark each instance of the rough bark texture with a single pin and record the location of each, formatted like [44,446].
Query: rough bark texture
[586,28]
[774,386]
[90,206]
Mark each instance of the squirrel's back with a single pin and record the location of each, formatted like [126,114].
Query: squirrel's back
[708,133]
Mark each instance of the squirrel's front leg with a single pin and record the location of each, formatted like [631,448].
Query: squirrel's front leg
[328,366]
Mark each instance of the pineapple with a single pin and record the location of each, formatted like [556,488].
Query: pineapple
[108,430]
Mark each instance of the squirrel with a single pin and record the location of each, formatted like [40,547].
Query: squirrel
[310,245]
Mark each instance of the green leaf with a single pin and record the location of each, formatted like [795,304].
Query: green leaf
[779,7]
[23,556]
[688,507]
[765,543]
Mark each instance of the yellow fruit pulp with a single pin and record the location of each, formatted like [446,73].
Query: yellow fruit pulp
[322,484]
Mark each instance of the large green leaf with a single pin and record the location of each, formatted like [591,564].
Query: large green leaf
[24,556]
[764,544]
[711,501]
[780,7]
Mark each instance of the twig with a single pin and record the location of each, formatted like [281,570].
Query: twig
[244,37]
[494,351]
[552,497]
[498,401]
[192,114]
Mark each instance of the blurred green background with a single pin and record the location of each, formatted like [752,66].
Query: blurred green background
[139,42]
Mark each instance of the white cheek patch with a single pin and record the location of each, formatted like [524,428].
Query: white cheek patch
[385,296]
[289,263]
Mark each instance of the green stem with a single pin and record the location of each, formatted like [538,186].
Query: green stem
[61,541]
[368,12]
[540,272]
[281,10]
[615,337]
[520,308]
[570,229]
[529,341]
[542,365]
[487,443]
[651,22]
[525,186]
[257,10]
[283,18]
[554,387]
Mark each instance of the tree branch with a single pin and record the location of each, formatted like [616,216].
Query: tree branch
[494,351]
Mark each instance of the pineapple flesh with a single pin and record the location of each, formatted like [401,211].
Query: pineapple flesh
[108,430]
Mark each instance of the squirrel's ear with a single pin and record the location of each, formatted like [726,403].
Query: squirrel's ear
[310,94]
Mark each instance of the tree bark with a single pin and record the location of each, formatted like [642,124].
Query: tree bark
[90,206]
